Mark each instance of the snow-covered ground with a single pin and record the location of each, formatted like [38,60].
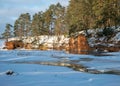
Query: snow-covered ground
[47,68]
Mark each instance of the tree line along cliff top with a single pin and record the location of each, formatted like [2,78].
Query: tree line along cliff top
[59,20]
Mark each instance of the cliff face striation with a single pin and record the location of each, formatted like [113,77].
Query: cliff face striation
[79,45]
[10,45]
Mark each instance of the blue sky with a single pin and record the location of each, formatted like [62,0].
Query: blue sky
[11,9]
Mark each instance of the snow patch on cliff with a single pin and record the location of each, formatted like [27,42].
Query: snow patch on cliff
[117,37]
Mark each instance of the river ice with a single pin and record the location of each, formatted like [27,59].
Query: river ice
[57,68]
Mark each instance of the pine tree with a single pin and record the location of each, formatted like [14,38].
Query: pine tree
[80,15]
[60,20]
[22,26]
[27,27]
[7,33]
[106,12]
[16,28]
[38,24]
[55,19]
[88,14]
[49,17]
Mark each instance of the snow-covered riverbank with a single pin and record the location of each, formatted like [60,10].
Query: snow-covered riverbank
[95,40]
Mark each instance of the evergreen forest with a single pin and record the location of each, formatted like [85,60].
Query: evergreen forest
[59,20]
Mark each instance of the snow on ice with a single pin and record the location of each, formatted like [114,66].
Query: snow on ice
[28,70]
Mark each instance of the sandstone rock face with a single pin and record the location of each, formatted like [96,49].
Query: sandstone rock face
[28,46]
[72,45]
[64,46]
[18,44]
[79,45]
[82,45]
[10,45]
[43,47]
[114,48]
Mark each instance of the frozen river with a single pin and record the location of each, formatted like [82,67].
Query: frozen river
[57,68]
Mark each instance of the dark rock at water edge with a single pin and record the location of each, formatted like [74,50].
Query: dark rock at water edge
[9,72]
